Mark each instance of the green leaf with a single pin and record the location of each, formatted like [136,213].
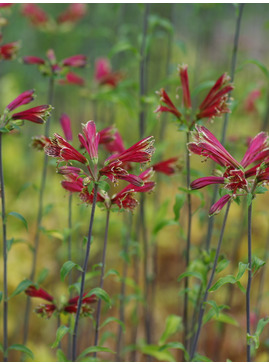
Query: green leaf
[224,280]
[157,352]
[214,305]
[61,356]
[22,286]
[242,267]
[100,293]
[261,189]
[42,275]
[123,47]
[259,64]
[179,202]
[103,185]
[1,348]
[61,331]
[222,265]
[1,296]
[256,337]
[227,319]
[173,324]
[10,243]
[67,267]
[112,272]
[23,349]
[20,217]
[197,275]
[257,263]
[198,357]
[113,319]
[161,224]
[176,345]
[94,349]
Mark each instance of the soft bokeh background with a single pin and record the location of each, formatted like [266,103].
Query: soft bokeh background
[200,35]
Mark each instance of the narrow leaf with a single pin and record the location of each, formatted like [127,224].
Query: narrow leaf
[20,217]
[113,319]
[100,293]
[61,356]
[157,353]
[222,281]
[61,331]
[42,275]
[180,199]
[67,267]
[172,325]
[22,286]
[94,349]
[23,349]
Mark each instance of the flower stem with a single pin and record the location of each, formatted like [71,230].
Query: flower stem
[188,245]
[98,313]
[123,288]
[249,279]
[5,253]
[74,346]
[202,307]
[39,215]
[69,252]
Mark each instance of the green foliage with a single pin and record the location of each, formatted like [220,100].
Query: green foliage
[179,202]
[100,293]
[22,286]
[42,276]
[230,278]
[60,333]
[61,356]
[20,217]
[67,267]
[113,319]
[94,349]
[173,324]
[157,352]
[256,264]
[23,349]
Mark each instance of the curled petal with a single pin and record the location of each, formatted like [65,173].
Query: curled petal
[217,207]
[205,181]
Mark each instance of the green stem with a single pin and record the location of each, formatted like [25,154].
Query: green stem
[87,254]
[98,313]
[5,256]
[249,279]
[39,216]
[70,281]
[202,306]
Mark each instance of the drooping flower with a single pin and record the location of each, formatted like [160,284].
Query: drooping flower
[235,177]
[37,16]
[38,114]
[24,98]
[32,291]
[170,107]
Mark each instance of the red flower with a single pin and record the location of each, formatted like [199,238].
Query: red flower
[235,177]
[39,142]
[61,149]
[215,102]
[25,98]
[90,140]
[115,145]
[250,102]
[66,126]
[170,107]
[8,51]
[167,167]
[107,135]
[32,291]
[115,171]
[104,75]
[5,5]
[37,114]
[218,206]
[72,14]
[73,79]
[45,310]
[183,72]
[75,61]
[36,15]
[33,60]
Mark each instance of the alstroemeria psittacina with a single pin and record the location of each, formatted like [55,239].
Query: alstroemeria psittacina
[235,176]
[113,168]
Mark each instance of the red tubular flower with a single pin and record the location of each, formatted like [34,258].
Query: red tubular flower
[8,51]
[25,98]
[5,5]
[68,170]
[33,60]
[45,310]
[75,61]
[39,142]
[90,140]
[73,79]
[214,103]
[37,114]
[72,14]
[66,126]
[116,145]
[235,177]
[36,15]
[107,135]
[170,107]
[115,171]
[61,149]
[104,75]
[167,167]
[32,291]
[218,206]
[183,72]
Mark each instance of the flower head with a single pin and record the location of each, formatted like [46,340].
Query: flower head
[167,166]
[73,13]
[66,126]
[24,98]
[104,75]
[37,16]
[32,291]
[8,51]
[90,140]
[38,114]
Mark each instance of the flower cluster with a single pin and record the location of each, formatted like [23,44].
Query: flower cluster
[51,67]
[235,178]
[104,74]
[46,310]
[8,51]
[37,114]
[214,104]
[115,167]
